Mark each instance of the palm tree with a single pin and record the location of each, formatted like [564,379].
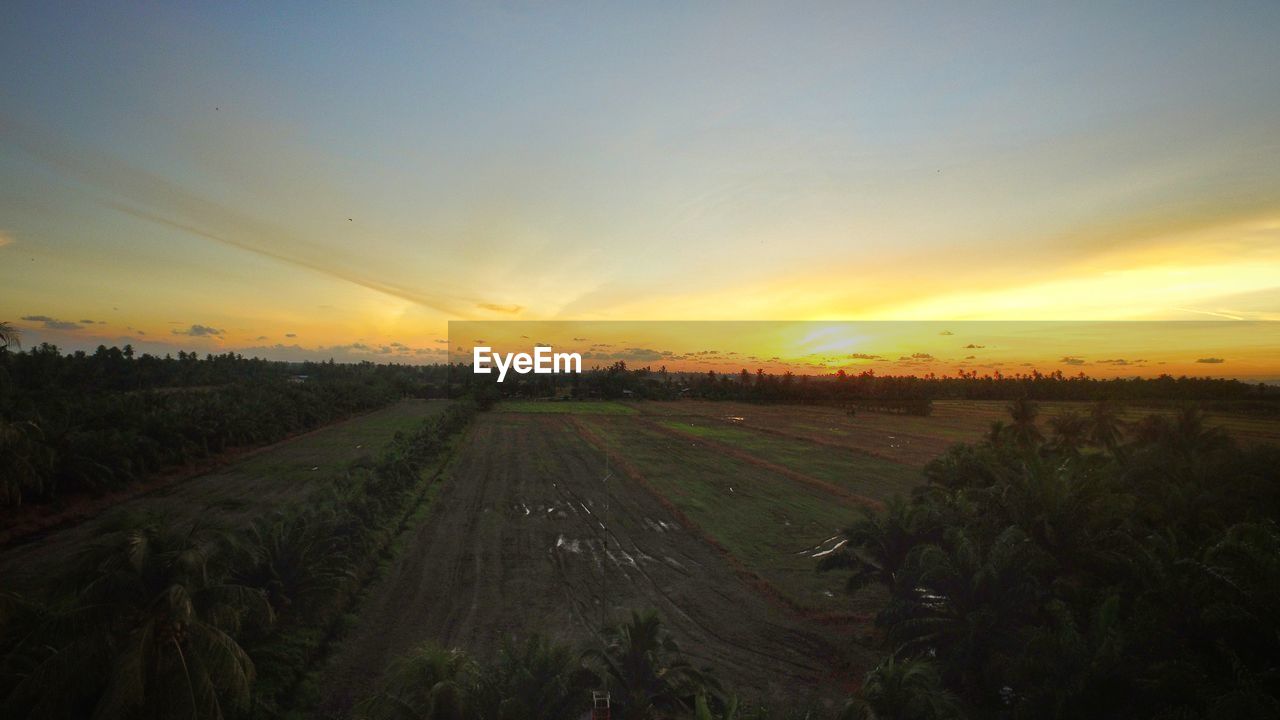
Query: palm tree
[903,689]
[1023,412]
[1070,431]
[534,680]
[998,432]
[294,559]
[152,631]
[1105,426]
[644,669]
[9,335]
[970,596]
[1190,432]
[26,463]
[875,547]
[430,683]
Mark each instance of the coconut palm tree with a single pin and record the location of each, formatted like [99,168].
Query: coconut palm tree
[534,680]
[152,630]
[430,683]
[1070,431]
[970,596]
[295,559]
[26,462]
[645,671]
[1023,413]
[1105,426]
[875,546]
[998,432]
[9,335]
[903,689]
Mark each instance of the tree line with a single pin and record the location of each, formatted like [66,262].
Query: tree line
[91,422]
[891,393]
[1083,569]
[159,618]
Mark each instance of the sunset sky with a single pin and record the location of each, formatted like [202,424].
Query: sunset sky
[319,181]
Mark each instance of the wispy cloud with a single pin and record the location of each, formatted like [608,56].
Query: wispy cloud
[52,323]
[505,309]
[199,331]
[155,199]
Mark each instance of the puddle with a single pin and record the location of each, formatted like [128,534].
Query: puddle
[834,548]
[813,551]
[573,546]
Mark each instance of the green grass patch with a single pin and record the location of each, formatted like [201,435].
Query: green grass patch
[856,472]
[574,407]
[765,520]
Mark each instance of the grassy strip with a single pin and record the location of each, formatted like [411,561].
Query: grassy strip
[683,431]
[575,407]
[289,663]
[748,575]
[845,471]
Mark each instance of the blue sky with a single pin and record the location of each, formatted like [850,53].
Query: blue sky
[362,174]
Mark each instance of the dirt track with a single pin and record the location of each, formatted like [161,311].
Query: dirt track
[514,545]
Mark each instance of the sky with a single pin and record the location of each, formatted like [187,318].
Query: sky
[302,180]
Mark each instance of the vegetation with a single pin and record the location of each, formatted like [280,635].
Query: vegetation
[1087,574]
[187,620]
[907,394]
[637,664]
[93,422]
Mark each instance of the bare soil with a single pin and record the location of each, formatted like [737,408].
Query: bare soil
[515,545]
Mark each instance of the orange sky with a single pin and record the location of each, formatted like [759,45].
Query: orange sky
[315,184]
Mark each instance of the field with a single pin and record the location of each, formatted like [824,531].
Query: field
[275,476]
[715,515]
[560,517]
[516,545]
[906,439]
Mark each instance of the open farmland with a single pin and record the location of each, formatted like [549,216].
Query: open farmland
[907,439]
[514,544]
[273,477]
[716,514]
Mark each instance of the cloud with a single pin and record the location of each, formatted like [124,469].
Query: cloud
[946,332]
[199,331]
[52,323]
[1071,360]
[93,322]
[633,354]
[262,337]
[921,356]
[6,238]
[291,334]
[1211,361]
[864,356]
[970,357]
[158,200]
[971,346]
[505,309]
